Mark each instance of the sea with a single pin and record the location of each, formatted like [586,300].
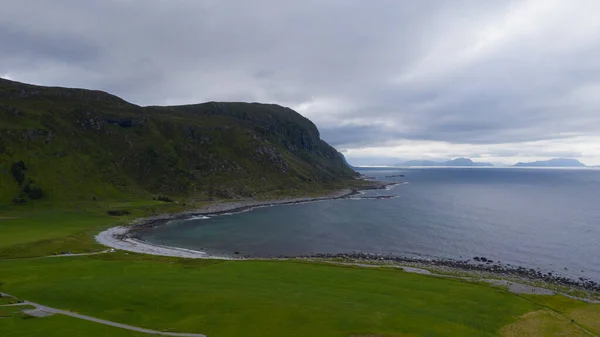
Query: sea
[535,218]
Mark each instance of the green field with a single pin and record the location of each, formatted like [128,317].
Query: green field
[261,298]
[27,233]
[246,298]
[264,298]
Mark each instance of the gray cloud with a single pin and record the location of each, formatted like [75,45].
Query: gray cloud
[23,44]
[370,74]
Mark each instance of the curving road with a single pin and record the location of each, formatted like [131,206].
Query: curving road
[49,310]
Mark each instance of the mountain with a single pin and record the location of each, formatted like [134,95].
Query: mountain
[346,161]
[75,144]
[556,162]
[454,162]
[420,163]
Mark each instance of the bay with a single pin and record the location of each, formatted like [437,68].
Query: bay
[536,218]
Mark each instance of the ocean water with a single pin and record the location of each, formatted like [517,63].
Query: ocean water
[536,218]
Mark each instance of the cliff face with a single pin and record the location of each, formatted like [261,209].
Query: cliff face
[74,143]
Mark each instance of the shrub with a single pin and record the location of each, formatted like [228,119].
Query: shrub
[164,198]
[19,199]
[33,192]
[18,171]
[117,212]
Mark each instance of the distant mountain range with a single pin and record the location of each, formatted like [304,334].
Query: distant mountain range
[454,162]
[466,162]
[556,162]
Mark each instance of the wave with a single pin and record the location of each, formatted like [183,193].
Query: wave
[378,197]
[200,217]
[392,186]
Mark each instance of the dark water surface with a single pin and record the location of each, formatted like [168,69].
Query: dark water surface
[546,218]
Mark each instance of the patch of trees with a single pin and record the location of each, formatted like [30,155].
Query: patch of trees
[28,190]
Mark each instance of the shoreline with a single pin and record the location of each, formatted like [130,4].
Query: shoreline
[117,238]
[448,268]
[472,267]
[121,238]
[240,206]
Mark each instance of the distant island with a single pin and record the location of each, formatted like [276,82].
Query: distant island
[556,162]
[453,162]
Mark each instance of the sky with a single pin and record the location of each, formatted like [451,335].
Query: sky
[384,81]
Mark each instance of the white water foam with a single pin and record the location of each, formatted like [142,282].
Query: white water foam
[200,217]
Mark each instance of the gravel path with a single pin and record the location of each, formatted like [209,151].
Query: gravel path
[513,287]
[42,310]
[520,288]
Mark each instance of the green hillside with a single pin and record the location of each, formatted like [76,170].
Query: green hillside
[64,145]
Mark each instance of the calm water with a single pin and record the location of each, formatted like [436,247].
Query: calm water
[546,218]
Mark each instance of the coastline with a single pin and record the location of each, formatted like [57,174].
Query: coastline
[472,268]
[121,237]
[117,238]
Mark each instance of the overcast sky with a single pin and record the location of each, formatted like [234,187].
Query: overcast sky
[385,81]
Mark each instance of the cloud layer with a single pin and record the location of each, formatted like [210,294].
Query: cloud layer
[383,80]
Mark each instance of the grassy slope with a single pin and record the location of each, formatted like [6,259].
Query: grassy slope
[81,145]
[30,232]
[584,314]
[7,300]
[542,323]
[283,298]
[38,227]
[262,298]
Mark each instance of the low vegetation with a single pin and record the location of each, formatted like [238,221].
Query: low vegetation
[46,230]
[283,298]
[262,298]
[542,323]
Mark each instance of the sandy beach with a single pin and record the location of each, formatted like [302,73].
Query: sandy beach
[119,238]
[116,238]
